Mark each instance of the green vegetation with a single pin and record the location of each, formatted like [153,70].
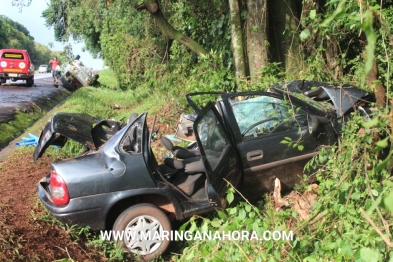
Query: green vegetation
[15,35]
[13,128]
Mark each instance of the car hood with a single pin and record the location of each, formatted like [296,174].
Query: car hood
[343,99]
[61,126]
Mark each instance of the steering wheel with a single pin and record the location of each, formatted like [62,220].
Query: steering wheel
[258,123]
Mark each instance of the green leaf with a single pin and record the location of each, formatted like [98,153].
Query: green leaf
[204,227]
[232,211]
[193,226]
[383,164]
[230,197]
[371,41]
[304,34]
[286,32]
[346,249]
[242,214]
[391,256]
[322,158]
[382,143]
[339,11]
[216,222]
[367,254]
[371,123]
[300,147]
[313,13]
[355,196]
[388,201]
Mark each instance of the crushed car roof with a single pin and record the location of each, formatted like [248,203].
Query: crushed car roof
[343,98]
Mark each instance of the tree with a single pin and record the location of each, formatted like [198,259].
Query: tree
[285,41]
[152,7]
[247,35]
[257,39]
[15,35]
[237,41]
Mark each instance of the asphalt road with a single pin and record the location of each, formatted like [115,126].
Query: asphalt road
[16,95]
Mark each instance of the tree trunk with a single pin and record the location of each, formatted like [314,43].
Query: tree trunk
[237,41]
[257,45]
[153,8]
[374,84]
[286,41]
[333,54]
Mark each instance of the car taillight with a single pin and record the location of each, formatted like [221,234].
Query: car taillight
[3,64]
[58,189]
[22,65]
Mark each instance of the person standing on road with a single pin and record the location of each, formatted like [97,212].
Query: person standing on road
[54,63]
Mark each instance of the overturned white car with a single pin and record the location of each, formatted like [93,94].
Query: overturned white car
[76,75]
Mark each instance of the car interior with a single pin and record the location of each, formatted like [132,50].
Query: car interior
[188,174]
[185,170]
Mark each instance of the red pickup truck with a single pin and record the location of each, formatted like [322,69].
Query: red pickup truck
[15,64]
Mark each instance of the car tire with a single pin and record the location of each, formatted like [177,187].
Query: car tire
[145,218]
[30,81]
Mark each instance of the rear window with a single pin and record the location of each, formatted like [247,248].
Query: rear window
[12,55]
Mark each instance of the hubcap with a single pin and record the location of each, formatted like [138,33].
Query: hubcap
[143,235]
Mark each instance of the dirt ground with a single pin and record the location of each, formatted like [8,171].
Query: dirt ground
[25,233]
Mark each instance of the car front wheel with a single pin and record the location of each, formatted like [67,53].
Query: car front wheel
[143,226]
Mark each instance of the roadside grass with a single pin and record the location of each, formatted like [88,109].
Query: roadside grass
[108,101]
[26,118]
[23,120]
[107,79]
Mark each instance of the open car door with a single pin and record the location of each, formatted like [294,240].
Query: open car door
[220,156]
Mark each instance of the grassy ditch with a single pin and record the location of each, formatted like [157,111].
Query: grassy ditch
[25,118]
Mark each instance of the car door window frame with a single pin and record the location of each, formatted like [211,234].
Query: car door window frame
[232,118]
[133,136]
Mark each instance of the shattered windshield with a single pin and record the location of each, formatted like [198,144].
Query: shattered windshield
[261,115]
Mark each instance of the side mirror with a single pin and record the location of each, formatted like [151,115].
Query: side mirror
[315,121]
